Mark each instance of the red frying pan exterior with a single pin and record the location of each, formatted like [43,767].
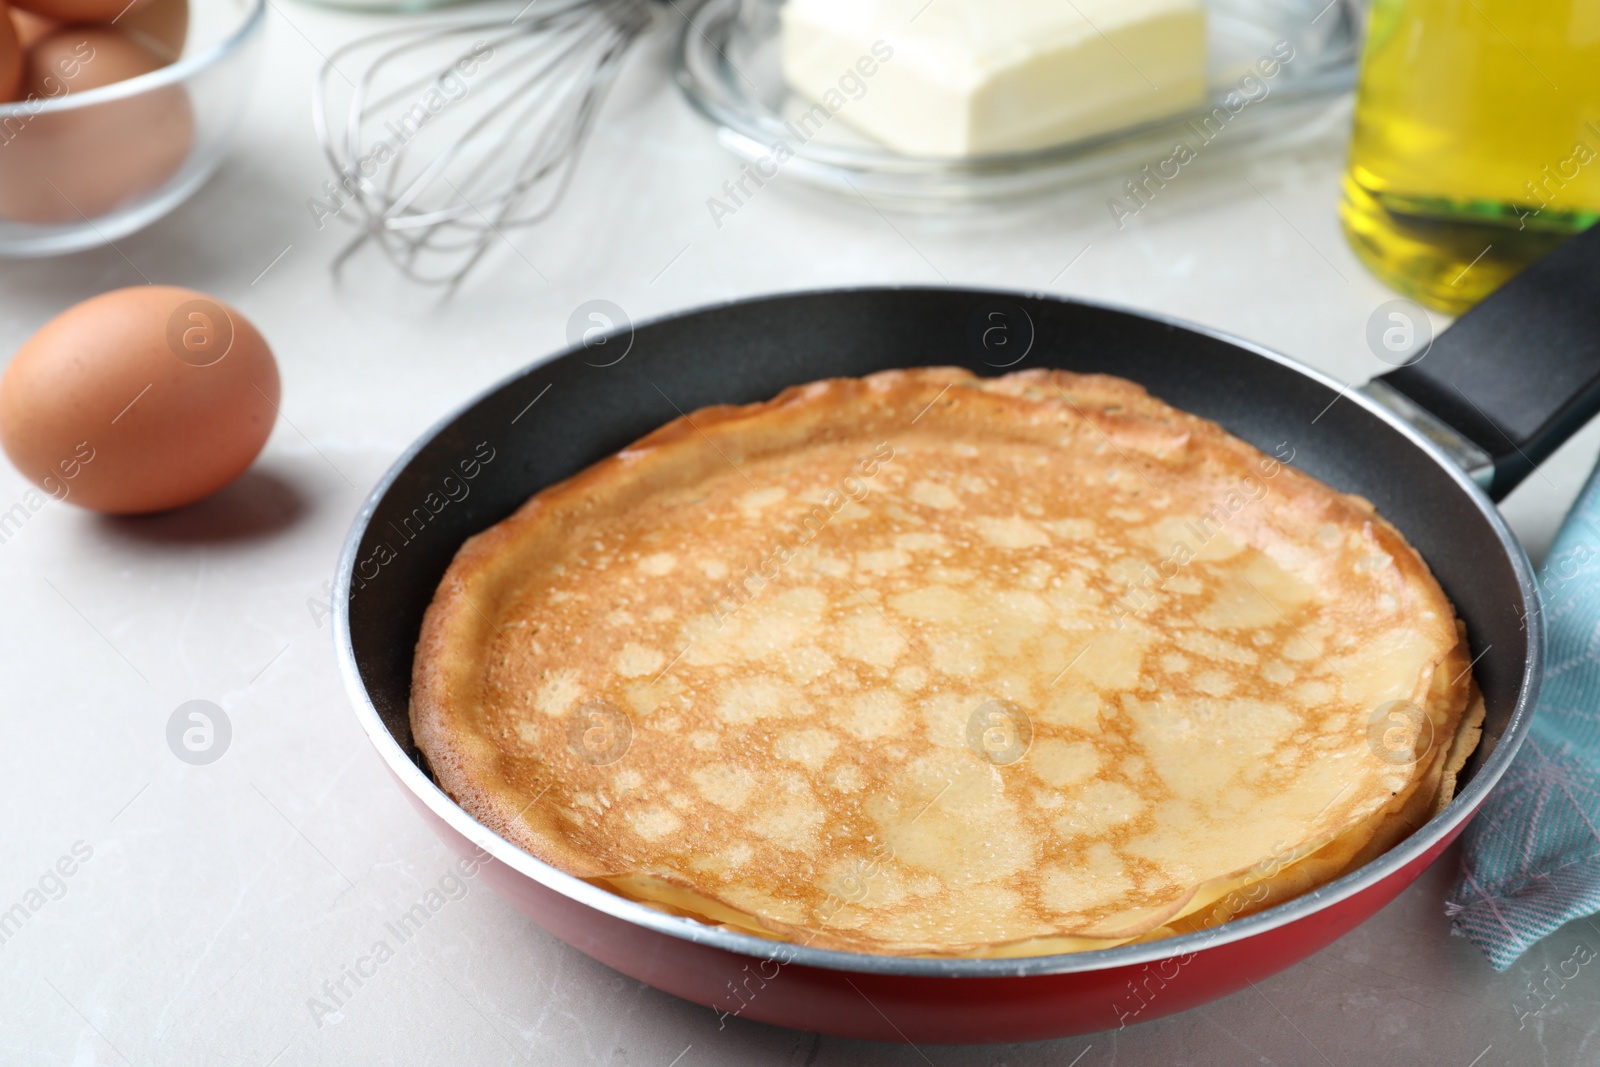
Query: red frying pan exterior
[930,1010]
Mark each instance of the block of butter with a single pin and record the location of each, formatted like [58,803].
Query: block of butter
[981,77]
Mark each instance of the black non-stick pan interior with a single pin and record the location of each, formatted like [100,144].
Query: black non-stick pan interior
[552,421]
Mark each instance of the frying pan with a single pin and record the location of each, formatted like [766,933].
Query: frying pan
[1432,444]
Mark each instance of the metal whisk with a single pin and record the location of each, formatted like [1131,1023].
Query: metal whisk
[456,131]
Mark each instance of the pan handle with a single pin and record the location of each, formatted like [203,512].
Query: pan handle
[1515,376]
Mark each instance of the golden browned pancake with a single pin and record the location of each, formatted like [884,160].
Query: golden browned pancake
[924,663]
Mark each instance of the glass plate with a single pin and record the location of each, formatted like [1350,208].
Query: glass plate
[727,65]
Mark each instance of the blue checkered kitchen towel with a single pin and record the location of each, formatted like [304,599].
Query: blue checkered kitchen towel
[1532,855]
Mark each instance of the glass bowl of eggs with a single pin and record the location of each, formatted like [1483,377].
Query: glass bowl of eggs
[113,112]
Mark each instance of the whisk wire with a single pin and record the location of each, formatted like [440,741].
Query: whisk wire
[456,131]
[472,132]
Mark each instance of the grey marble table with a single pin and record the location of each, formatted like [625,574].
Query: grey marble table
[208,904]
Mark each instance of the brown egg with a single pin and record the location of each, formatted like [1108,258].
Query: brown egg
[11,57]
[30,27]
[163,25]
[139,400]
[72,59]
[65,166]
[73,10]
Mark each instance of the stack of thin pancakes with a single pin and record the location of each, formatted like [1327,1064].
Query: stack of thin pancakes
[929,664]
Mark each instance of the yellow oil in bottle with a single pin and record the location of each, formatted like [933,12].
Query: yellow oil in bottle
[1476,146]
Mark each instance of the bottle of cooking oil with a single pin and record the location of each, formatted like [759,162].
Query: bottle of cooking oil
[1476,146]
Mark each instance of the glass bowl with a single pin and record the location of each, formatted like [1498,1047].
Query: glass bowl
[727,64]
[81,169]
